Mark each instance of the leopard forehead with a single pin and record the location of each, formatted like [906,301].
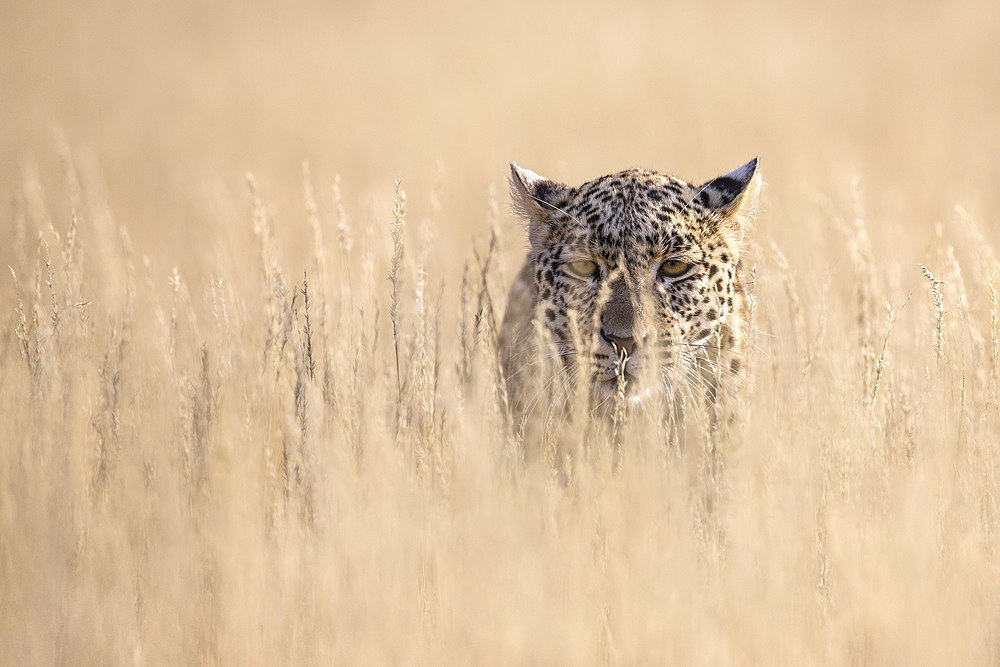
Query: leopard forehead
[633,211]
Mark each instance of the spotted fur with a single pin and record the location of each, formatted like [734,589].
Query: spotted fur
[665,309]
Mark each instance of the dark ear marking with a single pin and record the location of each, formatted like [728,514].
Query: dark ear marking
[726,192]
[545,195]
[734,196]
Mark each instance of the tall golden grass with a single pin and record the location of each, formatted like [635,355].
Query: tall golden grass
[258,419]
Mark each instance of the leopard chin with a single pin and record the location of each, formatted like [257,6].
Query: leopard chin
[608,390]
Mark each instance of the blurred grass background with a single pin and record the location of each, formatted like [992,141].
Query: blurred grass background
[179,485]
[176,100]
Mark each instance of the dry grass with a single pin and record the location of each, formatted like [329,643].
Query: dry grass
[226,437]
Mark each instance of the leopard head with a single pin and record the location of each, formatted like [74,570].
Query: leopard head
[637,272]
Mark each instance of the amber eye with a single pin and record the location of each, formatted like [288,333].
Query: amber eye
[673,268]
[583,269]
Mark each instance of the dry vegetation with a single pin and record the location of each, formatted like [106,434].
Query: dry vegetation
[271,454]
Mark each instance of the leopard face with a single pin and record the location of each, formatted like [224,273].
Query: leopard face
[635,276]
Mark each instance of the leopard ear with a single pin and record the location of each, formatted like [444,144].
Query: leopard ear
[536,198]
[735,196]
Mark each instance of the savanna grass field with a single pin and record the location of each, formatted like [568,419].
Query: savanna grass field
[250,409]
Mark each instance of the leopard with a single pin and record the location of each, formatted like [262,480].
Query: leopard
[633,286]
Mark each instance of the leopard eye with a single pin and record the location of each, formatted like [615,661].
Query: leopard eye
[673,269]
[583,269]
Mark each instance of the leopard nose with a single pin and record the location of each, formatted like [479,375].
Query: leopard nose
[626,344]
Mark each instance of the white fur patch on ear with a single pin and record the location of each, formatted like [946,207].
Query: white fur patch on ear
[527,177]
[751,196]
[537,194]
[535,197]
